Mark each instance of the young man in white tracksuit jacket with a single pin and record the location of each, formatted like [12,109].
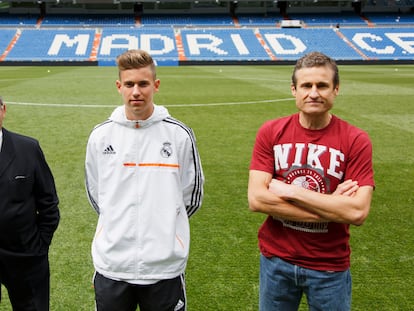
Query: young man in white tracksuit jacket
[144,179]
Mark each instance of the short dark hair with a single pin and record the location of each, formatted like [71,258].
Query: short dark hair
[1,101]
[316,59]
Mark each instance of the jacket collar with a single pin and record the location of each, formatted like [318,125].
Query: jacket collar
[7,153]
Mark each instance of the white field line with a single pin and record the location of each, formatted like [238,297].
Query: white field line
[172,105]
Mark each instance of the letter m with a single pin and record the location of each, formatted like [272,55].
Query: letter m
[81,42]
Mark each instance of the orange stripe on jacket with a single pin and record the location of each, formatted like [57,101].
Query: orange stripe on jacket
[151,164]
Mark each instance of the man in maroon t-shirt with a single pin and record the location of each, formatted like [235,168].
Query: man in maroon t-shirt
[312,174]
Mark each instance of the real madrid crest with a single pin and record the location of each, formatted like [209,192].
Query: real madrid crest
[166,150]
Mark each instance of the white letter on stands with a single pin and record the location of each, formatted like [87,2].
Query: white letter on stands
[277,47]
[167,43]
[406,45]
[239,44]
[359,39]
[131,42]
[212,44]
[80,40]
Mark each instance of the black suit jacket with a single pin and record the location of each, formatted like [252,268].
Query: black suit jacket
[29,213]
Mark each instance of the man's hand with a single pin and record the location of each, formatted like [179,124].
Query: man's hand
[281,189]
[348,187]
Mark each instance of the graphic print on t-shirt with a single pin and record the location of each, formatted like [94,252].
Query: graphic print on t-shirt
[307,166]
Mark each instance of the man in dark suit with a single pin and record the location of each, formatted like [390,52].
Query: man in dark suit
[29,216]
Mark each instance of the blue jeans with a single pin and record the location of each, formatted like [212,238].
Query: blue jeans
[283,284]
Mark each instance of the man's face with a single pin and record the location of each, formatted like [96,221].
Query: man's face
[315,92]
[137,88]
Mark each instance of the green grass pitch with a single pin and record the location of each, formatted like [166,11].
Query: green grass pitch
[225,105]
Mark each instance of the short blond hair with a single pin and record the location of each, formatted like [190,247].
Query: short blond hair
[133,59]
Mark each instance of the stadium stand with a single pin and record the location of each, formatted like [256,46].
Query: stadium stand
[257,20]
[277,36]
[331,19]
[53,45]
[6,36]
[17,20]
[87,20]
[187,20]
[392,19]
[383,43]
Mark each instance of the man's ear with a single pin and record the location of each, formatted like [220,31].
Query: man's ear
[293,89]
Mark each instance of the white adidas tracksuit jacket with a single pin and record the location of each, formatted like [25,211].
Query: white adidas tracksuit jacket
[144,180]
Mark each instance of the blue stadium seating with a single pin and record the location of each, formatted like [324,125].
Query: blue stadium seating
[6,36]
[383,43]
[222,44]
[186,20]
[259,19]
[16,20]
[390,18]
[249,20]
[160,44]
[87,20]
[89,38]
[54,45]
[331,19]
